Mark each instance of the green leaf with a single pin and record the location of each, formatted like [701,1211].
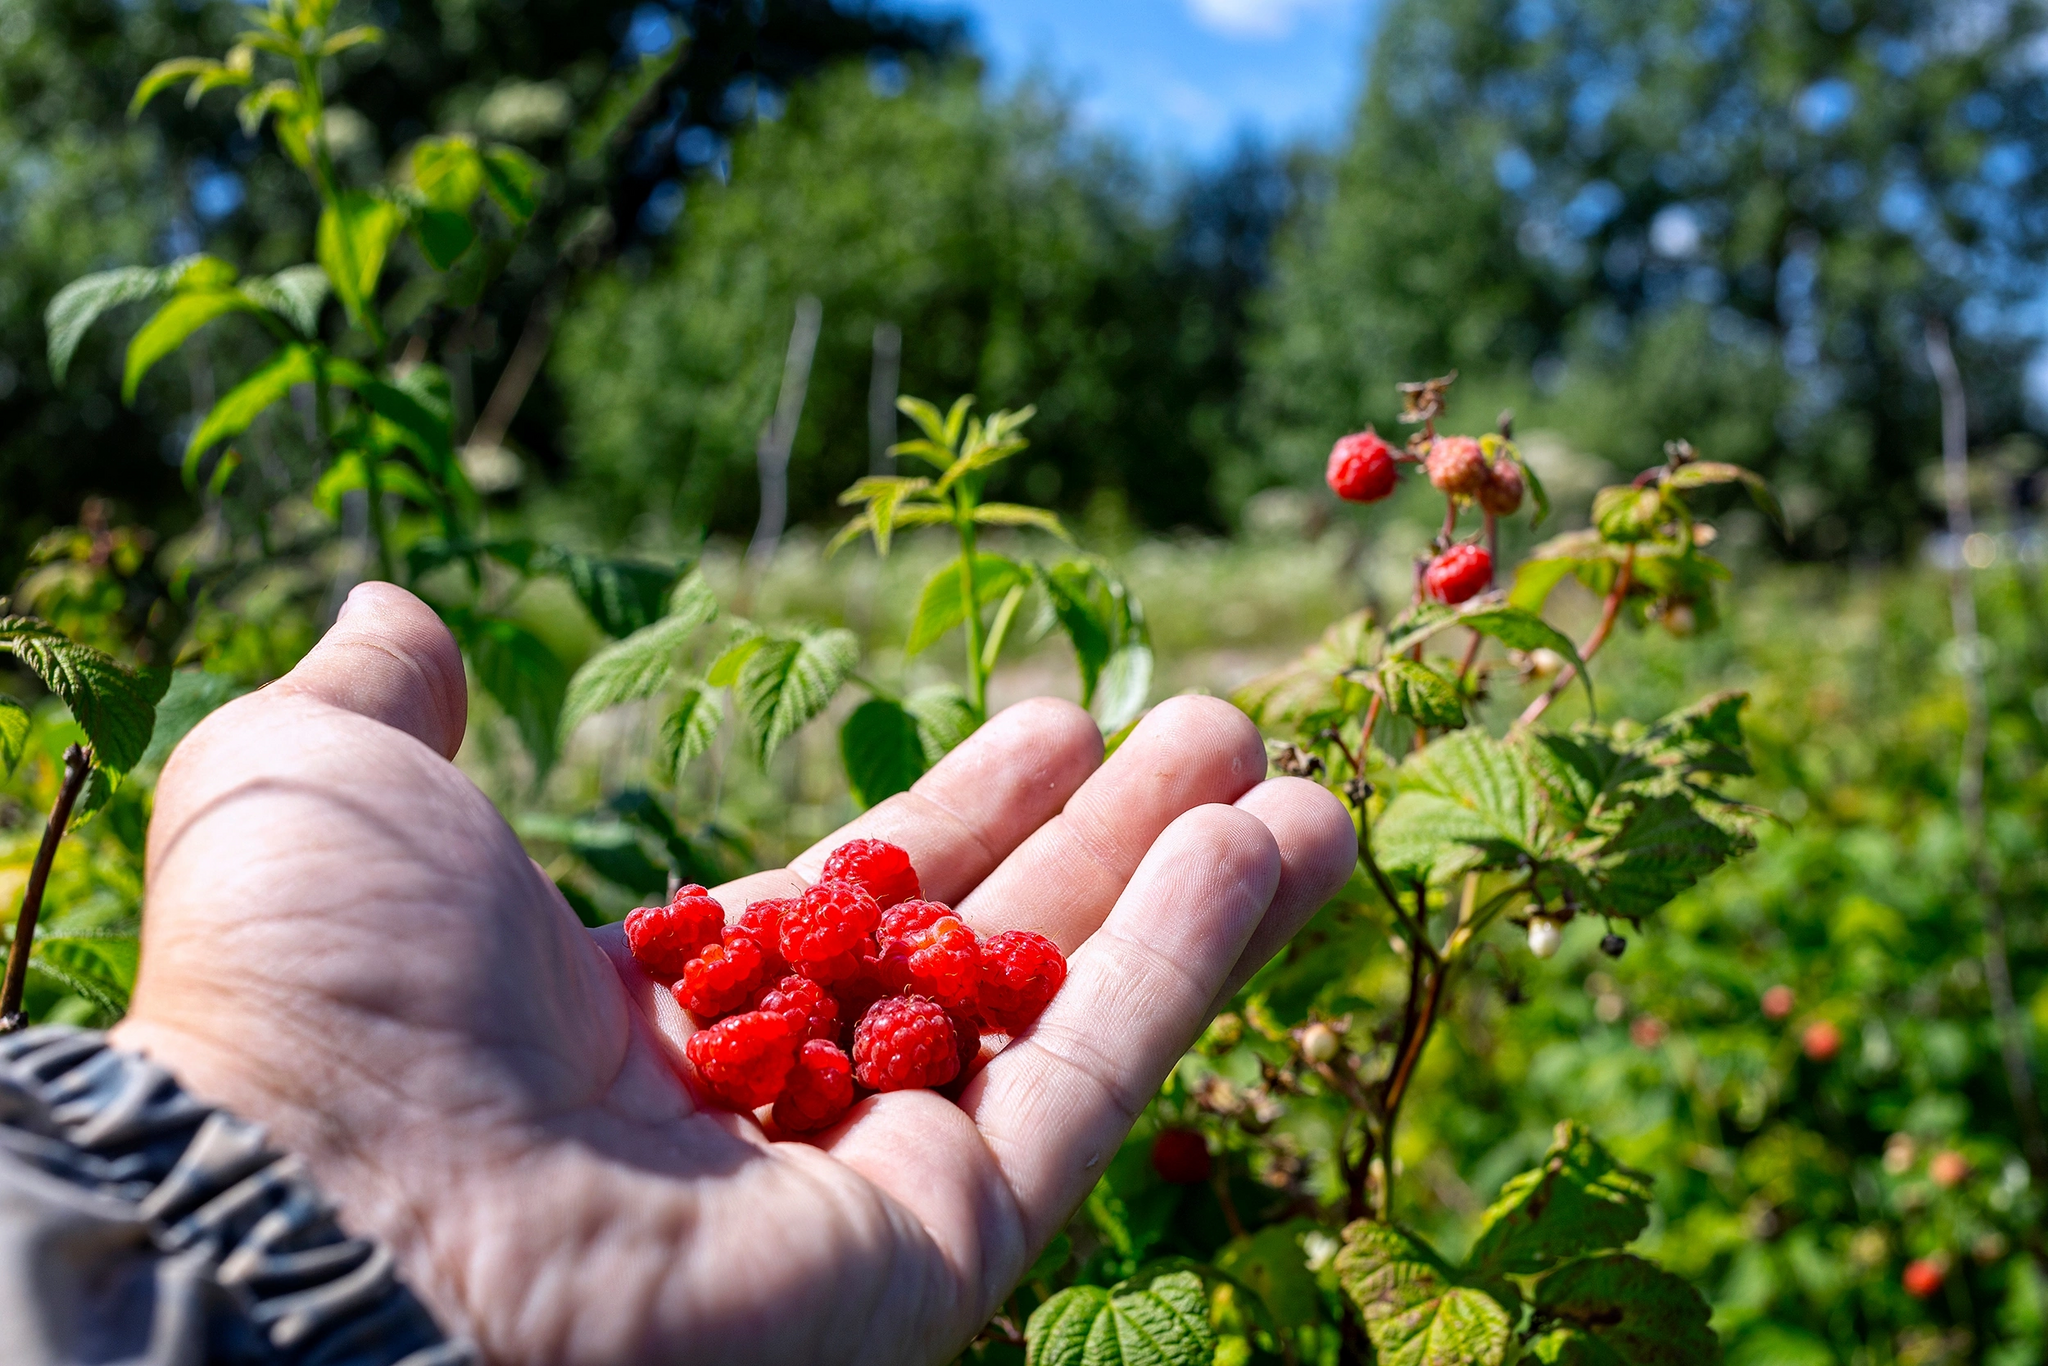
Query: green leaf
[14,728]
[351,37]
[102,970]
[166,74]
[114,705]
[79,304]
[518,670]
[351,242]
[170,325]
[1164,1323]
[882,494]
[1624,514]
[1097,613]
[944,719]
[1579,1200]
[691,726]
[1318,688]
[1273,1263]
[882,749]
[939,607]
[1521,630]
[240,406]
[930,422]
[624,596]
[294,294]
[1536,578]
[193,696]
[1414,1310]
[1700,473]
[1619,1310]
[449,173]
[1663,847]
[785,683]
[1122,688]
[511,178]
[725,670]
[930,451]
[1421,694]
[1463,789]
[639,665]
[443,236]
[1016,514]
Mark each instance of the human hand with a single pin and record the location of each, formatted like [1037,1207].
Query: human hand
[344,941]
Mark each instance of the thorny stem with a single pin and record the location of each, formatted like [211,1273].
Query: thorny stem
[77,764]
[1608,614]
[2012,1039]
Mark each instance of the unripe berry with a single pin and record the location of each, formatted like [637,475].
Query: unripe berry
[1545,935]
[1821,1041]
[1181,1156]
[1948,1169]
[1778,1001]
[1361,468]
[1923,1277]
[1501,494]
[1456,466]
[1458,573]
[1319,1042]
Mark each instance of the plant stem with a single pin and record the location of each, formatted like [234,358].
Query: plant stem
[1955,461]
[77,764]
[1622,580]
[977,676]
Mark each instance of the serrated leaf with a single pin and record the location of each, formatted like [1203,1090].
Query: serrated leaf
[624,596]
[939,605]
[691,726]
[14,728]
[1017,514]
[725,670]
[352,239]
[786,683]
[882,749]
[944,717]
[1273,1263]
[930,422]
[1463,789]
[520,672]
[79,304]
[1578,1200]
[294,294]
[1421,694]
[229,417]
[1319,684]
[1663,847]
[1633,1310]
[114,705]
[1164,1323]
[1700,473]
[882,494]
[1097,613]
[1414,1310]
[102,970]
[181,316]
[640,665]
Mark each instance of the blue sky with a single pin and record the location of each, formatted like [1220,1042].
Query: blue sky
[1179,78]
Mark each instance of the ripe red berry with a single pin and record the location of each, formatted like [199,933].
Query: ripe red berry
[743,1060]
[1020,972]
[809,1008]
[942,961]
[831,919]
[1458,573]
[1777,1002]
[880,869]
[1948,1169]
[1456,466]
[722,977]
[1821,1041]
[665,938]
[905,1042]
[1181,1156]
[906,919]
[1923,1277]
[966,1042]
[819,1089]
[1501,491]
[1362,468]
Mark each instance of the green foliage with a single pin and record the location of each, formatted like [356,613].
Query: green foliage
[1158,1320]
[1414,1310]
[115,705]
[785,683]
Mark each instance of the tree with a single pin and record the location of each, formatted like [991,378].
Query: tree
[1622,216]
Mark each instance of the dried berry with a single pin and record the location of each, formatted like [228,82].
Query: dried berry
[1501,492]
[1456,466]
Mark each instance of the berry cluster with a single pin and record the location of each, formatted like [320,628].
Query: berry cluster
[1364,468]
[856,983]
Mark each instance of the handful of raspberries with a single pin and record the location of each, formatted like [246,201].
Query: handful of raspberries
[858,963]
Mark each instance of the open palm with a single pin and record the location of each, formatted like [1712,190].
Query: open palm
[345,941]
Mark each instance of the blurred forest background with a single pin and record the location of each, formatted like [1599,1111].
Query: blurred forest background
[1627,220]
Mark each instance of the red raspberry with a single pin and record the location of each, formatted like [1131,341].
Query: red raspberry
[966,1042]
[1020,971]
[743,1060]
[1456,465]
[819,1089]
[829,920]
[1501,494]
[907,919]
[1362,468]
[855,992]
[942,961]
[878,868]
[1924,1276]
[1181,1156]
[724,976]
[807,1006]
[665,938]
[1458,573]
[905,1042]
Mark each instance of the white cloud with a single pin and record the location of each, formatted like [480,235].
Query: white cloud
[1255,18]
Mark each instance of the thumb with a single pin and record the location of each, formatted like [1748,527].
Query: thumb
[389,657]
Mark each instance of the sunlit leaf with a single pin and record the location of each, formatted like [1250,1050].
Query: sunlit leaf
[14,728]
[79,304]
[449,172]
[944,718]
[1619,1310]
[639,665]
[511,178]
[231,415]
[1016,514]
[294,294]
[165,74]
[691,726]
[785,683]
[181,316]
[1164,1322]
[1414,1309]
[882,749]
[1700,473]
[113,704]
[1123,687]
[939,605]
[1420,694]
[1578,1200]
[351,242]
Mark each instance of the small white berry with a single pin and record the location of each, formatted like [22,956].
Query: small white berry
[1544,936]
